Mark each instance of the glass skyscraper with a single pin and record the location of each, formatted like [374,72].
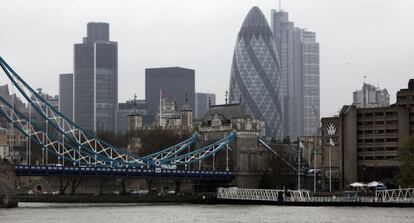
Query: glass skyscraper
[96,80]
[299,63]
[255,75]
[202,103]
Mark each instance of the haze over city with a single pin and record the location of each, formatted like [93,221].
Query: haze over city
[357,38]
[207,111]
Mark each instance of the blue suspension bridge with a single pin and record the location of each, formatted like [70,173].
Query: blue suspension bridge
[81,153]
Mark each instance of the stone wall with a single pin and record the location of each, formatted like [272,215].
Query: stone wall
[7,185]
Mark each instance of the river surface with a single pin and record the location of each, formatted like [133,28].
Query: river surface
[150,213]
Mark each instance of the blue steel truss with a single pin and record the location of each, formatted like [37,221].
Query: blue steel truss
[202,153]
[72,143]
[48,141]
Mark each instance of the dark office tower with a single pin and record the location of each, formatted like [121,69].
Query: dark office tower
[255,77]
[173,83]
[97,32]
[96,80]
[66,95]
[202,103]
[299,63]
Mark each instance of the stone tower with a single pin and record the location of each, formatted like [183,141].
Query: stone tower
[186,116]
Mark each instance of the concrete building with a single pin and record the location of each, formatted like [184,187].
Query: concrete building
[66,95]
[173,83]
[202,103]
[96,79]
[370,96]
[298,52]
[366,141]
[255,79]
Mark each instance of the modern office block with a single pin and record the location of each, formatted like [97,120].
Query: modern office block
[66,95]
[202,103]
[173,83]
[298,51]
[96,80]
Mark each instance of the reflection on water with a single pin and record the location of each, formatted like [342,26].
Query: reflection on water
[102,213]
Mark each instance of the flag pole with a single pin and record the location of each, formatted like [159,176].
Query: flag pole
[330,165]
[314,165]
[299,163]
[160,106]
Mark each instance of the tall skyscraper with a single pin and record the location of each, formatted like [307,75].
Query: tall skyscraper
[202,103]
[255,74]
[173,83]
[299,61]
[66,95]
[96,79]
[370,96]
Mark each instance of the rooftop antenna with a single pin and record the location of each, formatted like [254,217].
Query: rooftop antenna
[280,5]
[227,93]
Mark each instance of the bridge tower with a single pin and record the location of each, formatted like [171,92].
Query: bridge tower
[246,159]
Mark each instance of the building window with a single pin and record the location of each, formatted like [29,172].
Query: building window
[368,115]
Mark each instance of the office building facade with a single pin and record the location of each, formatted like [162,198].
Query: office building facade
[202,103]
[96,80]
[299,65]
[172,83]
[66,95]
[255,80]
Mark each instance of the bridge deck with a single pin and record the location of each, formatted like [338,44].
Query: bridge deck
[27,170]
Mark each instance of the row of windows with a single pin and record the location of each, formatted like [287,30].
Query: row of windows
[376,157]
[371,123]
[377,114]
[378,131]
[405,97]
[371,149]
[377,140]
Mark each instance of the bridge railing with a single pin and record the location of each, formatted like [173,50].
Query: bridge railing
[262,194]
[395,195]
[405,195]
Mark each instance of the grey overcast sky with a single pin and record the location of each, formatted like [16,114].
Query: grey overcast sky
[357,37]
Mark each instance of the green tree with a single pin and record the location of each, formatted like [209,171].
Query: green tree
[406,158]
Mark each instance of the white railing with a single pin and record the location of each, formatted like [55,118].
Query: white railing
[262,194]
[404,195]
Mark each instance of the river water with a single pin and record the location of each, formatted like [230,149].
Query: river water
[150,213]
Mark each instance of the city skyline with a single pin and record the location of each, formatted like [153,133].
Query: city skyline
[339,62]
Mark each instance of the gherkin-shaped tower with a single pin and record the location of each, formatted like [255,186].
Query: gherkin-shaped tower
[255,73]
